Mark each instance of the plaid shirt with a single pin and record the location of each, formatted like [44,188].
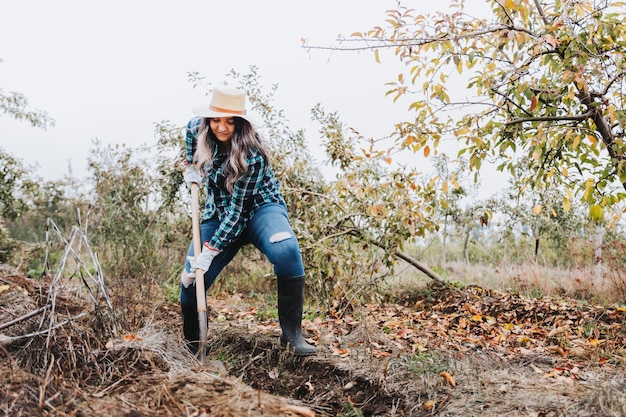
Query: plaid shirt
[257,187]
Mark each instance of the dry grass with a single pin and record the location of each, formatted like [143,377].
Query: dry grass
[529,280]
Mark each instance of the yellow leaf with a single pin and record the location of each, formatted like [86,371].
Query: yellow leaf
[565,172]
[426,150]
[567,204]
[444,187]
[462,131]
[537,209]
[596,213]
[376,56]
[3,288]
[594,342]
[477,317]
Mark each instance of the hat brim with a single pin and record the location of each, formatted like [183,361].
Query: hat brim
[204,111]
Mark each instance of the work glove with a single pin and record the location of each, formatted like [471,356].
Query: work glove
[191,175]
[204,260]
[187,278]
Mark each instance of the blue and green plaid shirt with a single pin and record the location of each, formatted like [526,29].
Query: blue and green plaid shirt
[257,187]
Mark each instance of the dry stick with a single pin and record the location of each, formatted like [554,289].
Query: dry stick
[426,270]
[54,287]
[104,391]
[96,263]
[99,281]
[250,362]
[22,318]
[200,290]
[43,387]
[173,400]
[42,332]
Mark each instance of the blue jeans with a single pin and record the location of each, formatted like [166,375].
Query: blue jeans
[269,230]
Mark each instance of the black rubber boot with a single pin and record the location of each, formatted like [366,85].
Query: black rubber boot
[191,326]
[290,300]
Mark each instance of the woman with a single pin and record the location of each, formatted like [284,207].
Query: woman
[243,205]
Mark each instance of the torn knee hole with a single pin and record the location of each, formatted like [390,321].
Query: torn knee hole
[279,237]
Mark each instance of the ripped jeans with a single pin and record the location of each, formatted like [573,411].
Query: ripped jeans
[269,230]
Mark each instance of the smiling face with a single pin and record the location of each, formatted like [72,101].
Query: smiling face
[223,128]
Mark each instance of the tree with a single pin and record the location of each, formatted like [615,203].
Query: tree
[13,175]
[544,84]
[450,207]
[14,180]
[16,105]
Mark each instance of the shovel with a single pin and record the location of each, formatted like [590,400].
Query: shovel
[200,292]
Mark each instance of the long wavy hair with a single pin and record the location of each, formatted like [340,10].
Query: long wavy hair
[244,139]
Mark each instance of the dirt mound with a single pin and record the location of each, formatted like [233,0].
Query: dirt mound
[444,351]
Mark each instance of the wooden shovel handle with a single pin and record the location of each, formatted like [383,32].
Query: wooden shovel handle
[200,291]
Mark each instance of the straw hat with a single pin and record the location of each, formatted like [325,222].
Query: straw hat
[225,102]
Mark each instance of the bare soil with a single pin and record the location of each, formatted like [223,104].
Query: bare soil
[440,351]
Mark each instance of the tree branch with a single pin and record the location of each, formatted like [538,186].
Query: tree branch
[390,43]
[541,12]
[357,233]
[578,118]
[22,318]
[413,262]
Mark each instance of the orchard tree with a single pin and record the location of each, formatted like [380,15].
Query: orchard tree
[13,175]
[15,183]
[448,174]
[544,84]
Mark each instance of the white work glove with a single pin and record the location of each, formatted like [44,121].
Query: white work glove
[187,278]
[191,175]
[203,261]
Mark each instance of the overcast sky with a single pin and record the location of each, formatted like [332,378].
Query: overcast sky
[110,70]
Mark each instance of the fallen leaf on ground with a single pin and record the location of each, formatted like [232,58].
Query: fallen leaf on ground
[449,378]
[428,405]
[131,337]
